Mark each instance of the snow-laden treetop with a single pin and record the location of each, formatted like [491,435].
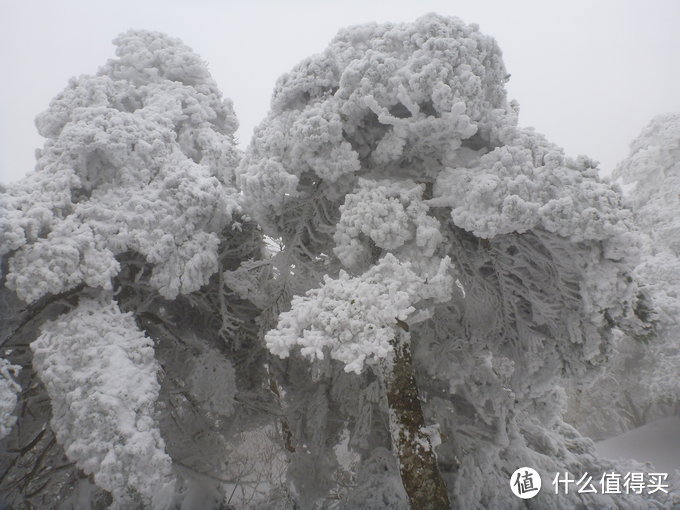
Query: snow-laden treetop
[398,138]
[424,101]
[379,97]
[138,157]
[654,161]
[653,167]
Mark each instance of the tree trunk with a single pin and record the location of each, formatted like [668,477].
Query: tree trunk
[417,461]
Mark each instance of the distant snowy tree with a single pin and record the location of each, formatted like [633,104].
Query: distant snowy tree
[652,174]
[653,170]
[458,262]
[642,381]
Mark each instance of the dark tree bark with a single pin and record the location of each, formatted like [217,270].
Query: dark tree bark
[418,467]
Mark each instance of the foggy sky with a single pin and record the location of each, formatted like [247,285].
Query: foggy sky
[588,75]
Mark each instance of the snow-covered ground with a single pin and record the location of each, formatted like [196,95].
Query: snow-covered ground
[657,442]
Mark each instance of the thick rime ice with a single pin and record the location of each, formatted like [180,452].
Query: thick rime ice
[377,99]
[100,373]
[8,396]
[398,140]
[133,198]
[653,167]
[623,398]
[391,215]
[354,319]
[659,359]
[527,183]
[446,272]
[139,157]
[653,171]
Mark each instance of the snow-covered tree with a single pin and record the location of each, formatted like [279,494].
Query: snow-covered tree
[138,158]
[120,236]
[651,174]
[464,262]
[652,170]
[641,383]
[445,271]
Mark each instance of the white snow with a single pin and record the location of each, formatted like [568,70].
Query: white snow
[9,389]
[137,158]
[100,373]
[355,317]
[657,442]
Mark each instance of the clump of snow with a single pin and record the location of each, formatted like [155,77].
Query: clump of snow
[354,318]
[527,184]
[100,373]
[389,214]
[9,389]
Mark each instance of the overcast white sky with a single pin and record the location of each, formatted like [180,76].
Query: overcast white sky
[588,74]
